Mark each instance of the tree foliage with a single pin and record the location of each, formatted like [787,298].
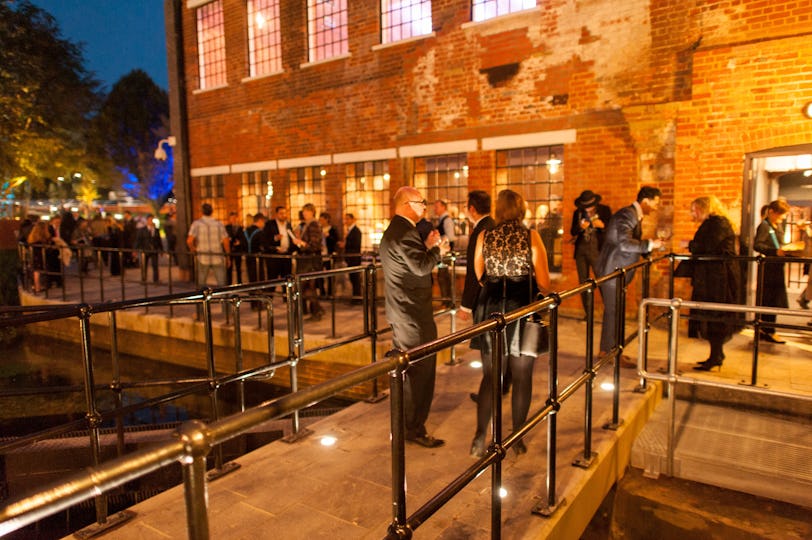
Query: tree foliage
[133,119]
[47,99]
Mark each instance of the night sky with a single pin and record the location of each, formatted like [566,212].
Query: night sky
[118,35]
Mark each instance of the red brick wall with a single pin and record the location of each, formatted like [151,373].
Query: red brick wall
[672,93]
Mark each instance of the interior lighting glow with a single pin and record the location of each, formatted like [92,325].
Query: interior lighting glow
[323,172]
[808,173]
[476,364]
[328,440]
[502,493]
[118,217]
[260,20]
[607,386]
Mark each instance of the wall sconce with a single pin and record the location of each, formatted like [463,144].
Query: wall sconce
[807,110]
[160,153]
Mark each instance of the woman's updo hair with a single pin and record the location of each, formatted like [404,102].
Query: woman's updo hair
[510,206]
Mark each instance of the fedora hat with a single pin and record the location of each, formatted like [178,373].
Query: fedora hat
[587,199]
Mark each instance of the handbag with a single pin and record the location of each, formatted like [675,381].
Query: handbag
[535,333]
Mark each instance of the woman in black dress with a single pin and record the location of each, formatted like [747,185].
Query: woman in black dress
[714,281]
[769,241]
[504,255]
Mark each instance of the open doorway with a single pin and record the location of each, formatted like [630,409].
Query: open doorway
[768,175]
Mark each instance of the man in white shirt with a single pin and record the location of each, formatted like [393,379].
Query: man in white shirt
[208,241]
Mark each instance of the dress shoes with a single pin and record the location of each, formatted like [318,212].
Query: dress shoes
[426,441]
[627,363]
[770,338]
[803,302]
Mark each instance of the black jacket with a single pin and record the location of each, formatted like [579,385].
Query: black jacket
[470,291]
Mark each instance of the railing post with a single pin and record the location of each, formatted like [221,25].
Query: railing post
[235,306]
[452,269]
[646,292]
[673,331]
[370,305]
[196,445]
[757,322]
[497,359]
[92,415]
[296,345]
[100,266]
[116,384]
[551,505]
[397,419]
[586,459]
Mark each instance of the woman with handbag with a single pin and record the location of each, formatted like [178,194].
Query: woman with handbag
[515,262]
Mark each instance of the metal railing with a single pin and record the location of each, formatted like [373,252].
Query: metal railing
[195,439]
[671,377]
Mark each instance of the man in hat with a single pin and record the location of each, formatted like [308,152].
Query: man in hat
[588,227]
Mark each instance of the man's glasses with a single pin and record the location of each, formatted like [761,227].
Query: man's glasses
[422,202]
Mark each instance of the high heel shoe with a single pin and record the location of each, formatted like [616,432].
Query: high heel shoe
[478,447]
[520,448]
[712,361]
[709,364]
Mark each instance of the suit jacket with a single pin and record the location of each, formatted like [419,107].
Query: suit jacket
[622,244]
[470,291]
[270,231]
[352,246]
[407,266]
[331,239]
[578,234]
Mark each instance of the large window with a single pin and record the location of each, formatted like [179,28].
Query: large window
[444,177]
[404,19]
[327,29]
[212,191]
[482,10]
[537,173]
[255,194]
[264,42]
[306,186]
[366,196]
[211,45]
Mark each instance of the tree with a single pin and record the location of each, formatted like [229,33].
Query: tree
[46,101]
[130,124]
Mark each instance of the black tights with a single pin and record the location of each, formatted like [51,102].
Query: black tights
[521,368]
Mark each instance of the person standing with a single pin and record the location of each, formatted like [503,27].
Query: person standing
[407,264]
[329,246]
[253,242]
[588,229]
[148,241]
[714,281]
[479,209]
[769,241]
[352,254]
[503,260]
[235,238]
[310,259]
[279,244]
[623,246]
[208,241]
[445,226]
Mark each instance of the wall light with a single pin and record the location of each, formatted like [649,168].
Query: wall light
[807,110]
[160,153]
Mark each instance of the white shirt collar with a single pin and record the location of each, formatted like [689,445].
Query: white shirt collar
[639,210]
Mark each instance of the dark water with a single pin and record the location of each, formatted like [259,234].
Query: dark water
[47,377]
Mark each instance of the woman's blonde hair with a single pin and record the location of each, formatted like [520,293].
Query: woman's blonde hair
[510,206]
[39,233]
[710,205]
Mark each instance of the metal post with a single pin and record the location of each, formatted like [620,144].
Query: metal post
[757,323]
[369,301]
[92,415]
[673,332]
[197,445]
[296,347]
[643,339]
[452,269]
[100,265]
[116,385]
[397,418]
[235,306]
[497,356]
[585,460]
[620,335]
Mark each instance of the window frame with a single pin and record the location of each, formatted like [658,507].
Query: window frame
[211,46]
[272,63]
[317,52]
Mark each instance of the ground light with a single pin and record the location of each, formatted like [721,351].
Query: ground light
[328,440]
[476,364]
[608,386]
[502,493]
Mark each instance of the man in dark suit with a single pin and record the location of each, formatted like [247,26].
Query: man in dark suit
[623,246]
[407,264]
[329,246]
[479,209]
[352,254]
[278,238]
[588,230]
[235,238]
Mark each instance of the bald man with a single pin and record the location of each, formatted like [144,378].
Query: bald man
[407,264]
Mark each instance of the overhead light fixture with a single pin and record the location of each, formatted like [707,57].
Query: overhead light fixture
[553,164]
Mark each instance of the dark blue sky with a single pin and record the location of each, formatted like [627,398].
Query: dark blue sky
[118,35]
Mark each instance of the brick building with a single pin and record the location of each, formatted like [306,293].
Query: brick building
[341,102]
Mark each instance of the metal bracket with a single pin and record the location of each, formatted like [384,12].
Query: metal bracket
[97,529]
[229,467]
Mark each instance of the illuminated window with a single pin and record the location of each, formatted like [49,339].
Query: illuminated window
[211,45]
[327,29]
[306,186]
[538,174]
[366,196]
[403,19]
[444,177]
[255,192]
[488,9]
[264,42]
[212,191]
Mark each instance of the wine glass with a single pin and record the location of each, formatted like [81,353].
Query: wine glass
[663,234]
